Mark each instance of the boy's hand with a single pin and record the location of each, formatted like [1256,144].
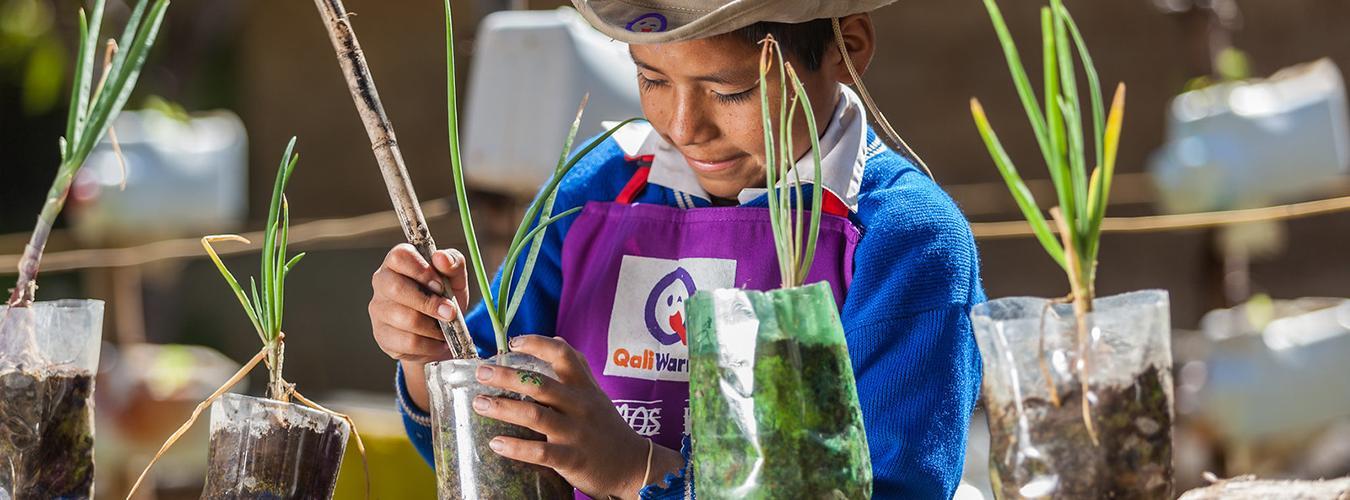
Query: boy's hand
[588,443]
[405,305]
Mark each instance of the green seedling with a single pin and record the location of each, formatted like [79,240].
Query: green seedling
[502,306]
[795,244]
[1058,125]
[92,109]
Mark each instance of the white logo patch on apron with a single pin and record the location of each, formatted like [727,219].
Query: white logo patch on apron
[647,338]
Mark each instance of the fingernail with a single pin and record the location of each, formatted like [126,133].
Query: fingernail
[445,311]
[516,341]
[496,444]
[485,373]
[436,286]
[481,403]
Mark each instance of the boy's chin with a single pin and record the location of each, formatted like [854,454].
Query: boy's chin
[726,189]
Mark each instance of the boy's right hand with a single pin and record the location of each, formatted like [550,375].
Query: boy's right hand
[405,305]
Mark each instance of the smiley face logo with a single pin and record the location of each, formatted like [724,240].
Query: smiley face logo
[648,23]
[665,307]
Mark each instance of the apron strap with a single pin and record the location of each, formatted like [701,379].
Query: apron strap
[831,204]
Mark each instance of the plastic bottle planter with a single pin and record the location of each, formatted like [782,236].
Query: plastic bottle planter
[466,468]
[1042,450]
[48,356]
[264,448]
[774,405]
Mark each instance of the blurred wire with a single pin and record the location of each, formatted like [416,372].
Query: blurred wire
[311,234]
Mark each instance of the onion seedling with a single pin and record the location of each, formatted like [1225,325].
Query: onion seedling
[264,304]
[1081,196]
[502,307]
[794,255]
[92,109]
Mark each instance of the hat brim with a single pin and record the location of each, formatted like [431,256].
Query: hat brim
[618,18]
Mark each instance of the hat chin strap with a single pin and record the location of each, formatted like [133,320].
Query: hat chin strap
[881,120]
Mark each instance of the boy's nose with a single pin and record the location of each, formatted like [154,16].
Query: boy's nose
[690,124]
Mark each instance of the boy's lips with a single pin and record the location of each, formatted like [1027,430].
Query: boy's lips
[707,166]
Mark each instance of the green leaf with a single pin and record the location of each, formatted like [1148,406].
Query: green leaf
[1020,80]
[279,273]
[123,73]
[259,309]
[537,235]
[817,189]
[1025,201]
[770,149]
[462,193]
[229,277]
[1111,147]
[1094,85]
[1059,167]
[294,260]
[269,248]
[1073,117]
[79,88]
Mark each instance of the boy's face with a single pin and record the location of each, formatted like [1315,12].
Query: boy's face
[702,96]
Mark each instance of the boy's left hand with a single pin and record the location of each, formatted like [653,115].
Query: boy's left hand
[587,442]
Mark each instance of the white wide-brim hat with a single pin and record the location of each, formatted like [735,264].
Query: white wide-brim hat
[663,21]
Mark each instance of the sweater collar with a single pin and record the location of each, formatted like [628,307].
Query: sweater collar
[843,156]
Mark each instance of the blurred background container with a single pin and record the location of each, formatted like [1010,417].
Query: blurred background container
[231,82]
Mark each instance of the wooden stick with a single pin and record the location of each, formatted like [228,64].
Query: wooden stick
[390,159]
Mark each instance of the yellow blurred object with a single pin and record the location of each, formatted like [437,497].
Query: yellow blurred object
[396,470]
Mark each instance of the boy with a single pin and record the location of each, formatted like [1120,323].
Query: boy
[678,205]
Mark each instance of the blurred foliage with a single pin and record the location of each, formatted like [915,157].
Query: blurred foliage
[1230,65]
[168,108]
[31,50]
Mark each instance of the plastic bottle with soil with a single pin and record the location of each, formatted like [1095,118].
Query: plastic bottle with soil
[48,357]
[774,405]
[466,468]
[1040,443]
[264,448]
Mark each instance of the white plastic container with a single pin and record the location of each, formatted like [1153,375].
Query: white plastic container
[530,71]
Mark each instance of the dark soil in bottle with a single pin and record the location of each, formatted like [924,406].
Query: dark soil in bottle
[47,434]
[288,461]
[807,428]
[1054,457]
[489,475]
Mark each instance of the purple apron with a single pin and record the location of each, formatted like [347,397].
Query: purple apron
[627,270]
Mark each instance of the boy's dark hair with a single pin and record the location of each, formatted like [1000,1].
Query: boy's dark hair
[803,42]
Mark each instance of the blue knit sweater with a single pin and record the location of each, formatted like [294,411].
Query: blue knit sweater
[906,316]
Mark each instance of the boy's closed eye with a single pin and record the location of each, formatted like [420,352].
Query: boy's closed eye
[648,84]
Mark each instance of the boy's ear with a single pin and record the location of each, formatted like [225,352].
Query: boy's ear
[860,42]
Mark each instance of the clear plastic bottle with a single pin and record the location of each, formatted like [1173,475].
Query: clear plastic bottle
[1040,445]
[264,448]
[466,468]
[48,357]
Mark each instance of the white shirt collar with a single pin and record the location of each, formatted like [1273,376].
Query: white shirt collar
[843,146]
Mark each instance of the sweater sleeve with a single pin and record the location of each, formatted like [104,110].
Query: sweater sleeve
[906,317]
[918,378]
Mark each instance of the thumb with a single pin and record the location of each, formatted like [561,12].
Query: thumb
[452,265]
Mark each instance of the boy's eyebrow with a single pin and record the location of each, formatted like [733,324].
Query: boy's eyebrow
[720,77]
